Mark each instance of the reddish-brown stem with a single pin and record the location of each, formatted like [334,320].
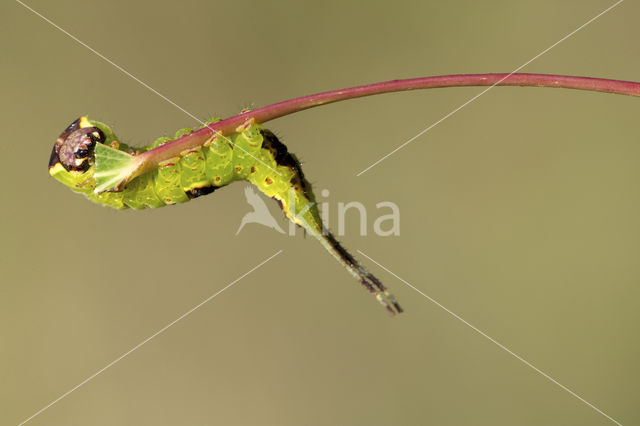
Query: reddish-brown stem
[150,159]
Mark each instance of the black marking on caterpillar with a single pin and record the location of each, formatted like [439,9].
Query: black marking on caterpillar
[199,192]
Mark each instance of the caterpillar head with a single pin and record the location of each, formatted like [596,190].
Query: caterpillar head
[74,148]
[72,158]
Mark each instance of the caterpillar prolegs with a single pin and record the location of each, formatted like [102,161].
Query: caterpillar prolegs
[88,158]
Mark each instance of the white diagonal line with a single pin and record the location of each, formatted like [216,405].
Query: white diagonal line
[491,87]
[109,61]
[500,345]
[147,339]
[127,73]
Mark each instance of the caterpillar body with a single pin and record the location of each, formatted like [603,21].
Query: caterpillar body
[251,153]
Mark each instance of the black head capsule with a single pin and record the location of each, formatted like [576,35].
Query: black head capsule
[74,147]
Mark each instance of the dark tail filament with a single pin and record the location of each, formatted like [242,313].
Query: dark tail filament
[367,279]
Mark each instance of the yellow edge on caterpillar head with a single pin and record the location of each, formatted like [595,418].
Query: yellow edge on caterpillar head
[84,122]
[57,168]
[77,181]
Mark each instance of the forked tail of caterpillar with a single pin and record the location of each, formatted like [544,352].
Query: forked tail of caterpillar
[366,278]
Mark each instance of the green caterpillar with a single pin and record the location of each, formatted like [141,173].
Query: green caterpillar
[251,153]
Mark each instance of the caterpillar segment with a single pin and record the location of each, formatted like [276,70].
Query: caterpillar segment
[88,158]
[299,205]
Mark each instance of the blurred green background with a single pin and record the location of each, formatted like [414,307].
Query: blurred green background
[520,213]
